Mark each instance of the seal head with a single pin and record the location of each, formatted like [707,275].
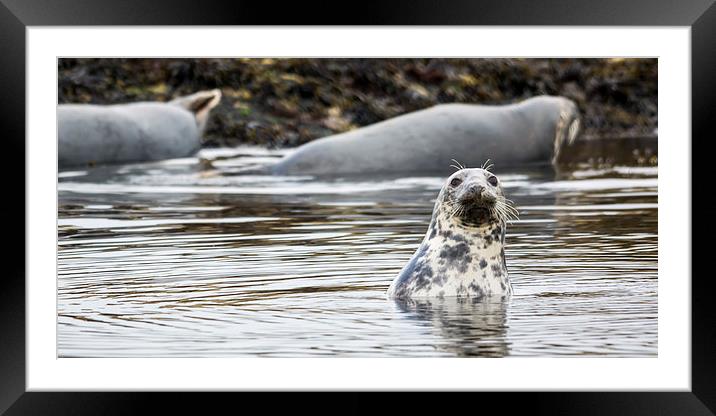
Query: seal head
[462,253]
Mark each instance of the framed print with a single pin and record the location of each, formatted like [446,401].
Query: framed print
[458,198]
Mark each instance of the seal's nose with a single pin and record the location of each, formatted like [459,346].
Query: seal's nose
[476,189]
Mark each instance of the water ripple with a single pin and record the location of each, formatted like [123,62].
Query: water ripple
[167,259]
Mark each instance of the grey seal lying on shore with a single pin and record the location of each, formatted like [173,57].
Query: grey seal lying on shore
[531,131]
[463,252]
[134,132]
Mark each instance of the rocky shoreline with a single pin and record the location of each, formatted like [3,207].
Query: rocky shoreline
[288,102]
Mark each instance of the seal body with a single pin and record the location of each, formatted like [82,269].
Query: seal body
[532,131]
[135,132]
[462,253]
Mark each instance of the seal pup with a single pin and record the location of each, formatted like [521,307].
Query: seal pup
[532,131]
[135,132]
[462,253]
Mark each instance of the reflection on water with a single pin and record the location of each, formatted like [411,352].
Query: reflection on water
[180,258]
[471,327]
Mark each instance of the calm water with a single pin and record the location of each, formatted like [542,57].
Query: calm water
[179,259]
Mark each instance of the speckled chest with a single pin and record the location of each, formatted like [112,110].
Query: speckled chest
[456,261]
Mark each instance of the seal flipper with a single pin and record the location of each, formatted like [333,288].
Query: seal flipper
[199,104]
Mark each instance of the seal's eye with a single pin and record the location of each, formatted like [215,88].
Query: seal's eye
[455,182]
[492,180]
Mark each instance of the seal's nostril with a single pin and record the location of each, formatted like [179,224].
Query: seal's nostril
[475,191]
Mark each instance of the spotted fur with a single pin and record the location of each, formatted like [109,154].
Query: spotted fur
[462,253]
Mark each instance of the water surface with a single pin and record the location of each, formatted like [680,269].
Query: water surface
[192,259]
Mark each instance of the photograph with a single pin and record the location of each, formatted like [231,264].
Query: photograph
[214,207]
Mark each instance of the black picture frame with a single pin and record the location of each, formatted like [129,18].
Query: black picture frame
[16,15]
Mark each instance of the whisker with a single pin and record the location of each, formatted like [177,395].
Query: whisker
[458,164]
[507,210]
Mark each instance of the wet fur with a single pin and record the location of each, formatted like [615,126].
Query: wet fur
[462,253]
